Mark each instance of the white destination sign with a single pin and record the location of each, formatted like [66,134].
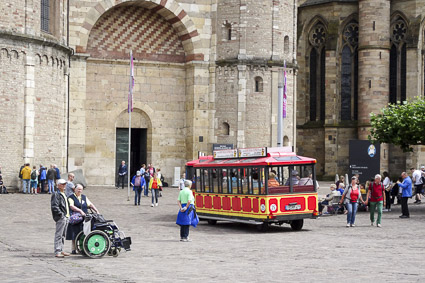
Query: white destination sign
[252,152]
[227,153]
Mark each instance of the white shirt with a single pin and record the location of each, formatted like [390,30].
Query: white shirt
[417,174]
[386,182]
[181,184]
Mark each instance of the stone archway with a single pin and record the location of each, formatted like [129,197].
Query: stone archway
[168,9]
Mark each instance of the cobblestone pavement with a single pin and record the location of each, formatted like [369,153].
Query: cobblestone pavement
[324,250]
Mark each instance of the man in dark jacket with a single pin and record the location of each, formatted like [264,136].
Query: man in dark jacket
[51,176]
[122,172]
[60,213]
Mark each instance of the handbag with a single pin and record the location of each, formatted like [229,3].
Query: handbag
[76,218]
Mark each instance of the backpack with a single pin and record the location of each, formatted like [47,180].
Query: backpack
[33,175]
[137,181]
[20,172]
[371,194]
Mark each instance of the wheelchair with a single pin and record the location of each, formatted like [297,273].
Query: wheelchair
[100,237]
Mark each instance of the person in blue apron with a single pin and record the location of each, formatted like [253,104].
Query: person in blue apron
[187,213]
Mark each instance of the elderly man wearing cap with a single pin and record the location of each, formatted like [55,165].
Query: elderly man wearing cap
[60,213]
[138,183]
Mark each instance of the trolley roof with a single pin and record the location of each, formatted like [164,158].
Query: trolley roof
[251,157]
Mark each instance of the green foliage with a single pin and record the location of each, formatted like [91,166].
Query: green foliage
[400,124]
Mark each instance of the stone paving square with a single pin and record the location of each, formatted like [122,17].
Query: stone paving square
[324,251]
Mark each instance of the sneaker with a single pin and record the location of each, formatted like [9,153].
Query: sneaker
[378,225]
[59,256]
[151,204]
[348,225]
[352,225]
[156,204]
[74,252]
[187,240]
[404,216]
[385,210]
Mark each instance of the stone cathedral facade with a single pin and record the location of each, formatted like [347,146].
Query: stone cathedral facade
[206,72]
[355,57]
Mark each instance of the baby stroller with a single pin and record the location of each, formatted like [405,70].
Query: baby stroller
[100,237]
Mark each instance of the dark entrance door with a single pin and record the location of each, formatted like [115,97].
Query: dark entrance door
[138,149]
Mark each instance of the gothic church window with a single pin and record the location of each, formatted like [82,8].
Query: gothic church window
[398,60]
[349,72]
[50,17]
[45,13]
[258,84]
[317,60]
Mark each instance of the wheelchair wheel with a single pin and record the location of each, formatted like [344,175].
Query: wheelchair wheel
[79,241]
[96,244]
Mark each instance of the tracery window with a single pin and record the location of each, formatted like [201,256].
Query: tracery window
[398,59]
[349,72]
[317,39]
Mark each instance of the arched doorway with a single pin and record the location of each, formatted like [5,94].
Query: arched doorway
[141,140]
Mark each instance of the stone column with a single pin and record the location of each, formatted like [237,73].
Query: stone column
[199,121]
[374,60]
[77,113]
[241,105]
[29,108]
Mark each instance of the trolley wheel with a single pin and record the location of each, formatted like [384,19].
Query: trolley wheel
[212,222]
[297,225]
[263,227]
[96,244]
[79,241]
[116,252]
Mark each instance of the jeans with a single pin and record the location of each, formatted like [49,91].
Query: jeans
[121,179]
[42,185]
[51,184]
[155,193]
[404,206]
[184,231]
[352,211]
[388,200]
[146,187]
[60,234]
[137,195]
[373,206]
[322,205]
[26,185]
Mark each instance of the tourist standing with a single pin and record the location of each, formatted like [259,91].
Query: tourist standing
[69,190]
[406,193]
[43,177]
[181,182]
[122,172]
[147,177]
[351,197]
[388,186]
[187,213]
[26,178]
[417,181]
[60,213]
[154,185]
[376,199]
[51,176]
[138,183]
[34,180]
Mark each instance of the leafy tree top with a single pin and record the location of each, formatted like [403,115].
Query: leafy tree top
[400,124]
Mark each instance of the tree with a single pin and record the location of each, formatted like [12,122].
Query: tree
[400,124]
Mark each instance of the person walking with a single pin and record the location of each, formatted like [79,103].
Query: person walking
[154,185]
[51,176]
[147,177]
[43,177]
[122,172]
[78,203]
[60,213]
[376,195]
[388,186]
[187,212]
[417,181]
[139,184]
[34,180]
[26,178]
[181,182]
[406,193]
[351,197]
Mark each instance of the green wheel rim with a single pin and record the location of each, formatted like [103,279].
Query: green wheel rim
[96,244]
[80,242]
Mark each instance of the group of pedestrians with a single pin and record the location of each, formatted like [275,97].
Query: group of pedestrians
[34,180]
[145,180]
[68,200]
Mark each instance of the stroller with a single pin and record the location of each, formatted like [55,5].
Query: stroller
[100,237]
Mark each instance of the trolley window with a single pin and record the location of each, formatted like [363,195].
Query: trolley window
[291,179]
